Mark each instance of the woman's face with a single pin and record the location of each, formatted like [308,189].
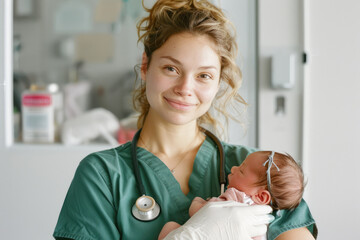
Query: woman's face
[182,78]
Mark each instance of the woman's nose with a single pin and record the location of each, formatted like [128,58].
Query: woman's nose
[184,86]
[233,169]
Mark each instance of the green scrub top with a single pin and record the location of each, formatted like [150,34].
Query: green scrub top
[99,201]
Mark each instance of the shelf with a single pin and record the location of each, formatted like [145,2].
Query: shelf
[91,147]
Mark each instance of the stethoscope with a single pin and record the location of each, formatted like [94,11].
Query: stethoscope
[146,208]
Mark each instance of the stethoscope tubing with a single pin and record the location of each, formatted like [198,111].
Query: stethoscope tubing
[222,174]
[153,215]
[135,164]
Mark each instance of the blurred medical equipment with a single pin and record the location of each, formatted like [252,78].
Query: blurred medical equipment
[38,125]
[128,128]
[77,98]
[145,208]
[58,104]
[95,123]
[115,94]
[21,82]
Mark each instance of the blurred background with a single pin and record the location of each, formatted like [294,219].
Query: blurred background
[67,74]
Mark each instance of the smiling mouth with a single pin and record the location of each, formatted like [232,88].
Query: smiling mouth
[179,105]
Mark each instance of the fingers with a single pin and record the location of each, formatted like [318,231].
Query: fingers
[263,219]
[255,209]
[228,220]
[261,209]
[257,230]
[226,204]
[261,214]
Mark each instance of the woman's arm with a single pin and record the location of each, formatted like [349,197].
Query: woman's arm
[296,234]
[88,211]
[196,204]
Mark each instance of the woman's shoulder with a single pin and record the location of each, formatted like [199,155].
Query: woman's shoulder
[236,154]
[236,148]
[286,220]
[108,158]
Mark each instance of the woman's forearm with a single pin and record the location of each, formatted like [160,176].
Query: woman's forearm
[296,234]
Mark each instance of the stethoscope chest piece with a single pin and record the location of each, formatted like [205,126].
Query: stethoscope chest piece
[145,209]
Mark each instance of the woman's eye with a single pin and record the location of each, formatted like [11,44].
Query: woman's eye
[205,76]
[170,69]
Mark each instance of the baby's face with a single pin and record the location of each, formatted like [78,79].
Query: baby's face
[245,176]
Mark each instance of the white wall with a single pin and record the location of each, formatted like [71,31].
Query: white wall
[332,116]
[33,188]
[280,29]
[328,140]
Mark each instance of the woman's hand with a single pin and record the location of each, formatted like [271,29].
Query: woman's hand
[225,220]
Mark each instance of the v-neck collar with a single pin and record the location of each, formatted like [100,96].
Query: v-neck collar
[201,163]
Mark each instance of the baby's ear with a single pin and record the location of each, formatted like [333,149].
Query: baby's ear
[262,197]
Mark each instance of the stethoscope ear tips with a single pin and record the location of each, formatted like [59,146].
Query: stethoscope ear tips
[145,209]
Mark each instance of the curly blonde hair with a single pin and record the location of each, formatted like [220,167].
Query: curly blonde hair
[200,17]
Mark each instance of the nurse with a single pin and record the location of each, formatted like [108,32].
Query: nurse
[188,67]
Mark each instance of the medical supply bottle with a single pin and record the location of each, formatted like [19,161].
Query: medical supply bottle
[37,116]
[58,106]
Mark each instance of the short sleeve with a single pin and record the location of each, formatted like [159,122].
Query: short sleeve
[291,219]
[88,212]
[235,155]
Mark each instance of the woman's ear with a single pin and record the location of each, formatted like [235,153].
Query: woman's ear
[262,197]
[144,65]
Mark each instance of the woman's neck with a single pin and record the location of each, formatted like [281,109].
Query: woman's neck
[175,145]
[170,140]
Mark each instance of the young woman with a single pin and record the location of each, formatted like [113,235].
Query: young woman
[188,67]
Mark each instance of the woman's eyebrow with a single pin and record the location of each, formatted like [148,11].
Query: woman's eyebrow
[208,67]
[172,59]
[179,63]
